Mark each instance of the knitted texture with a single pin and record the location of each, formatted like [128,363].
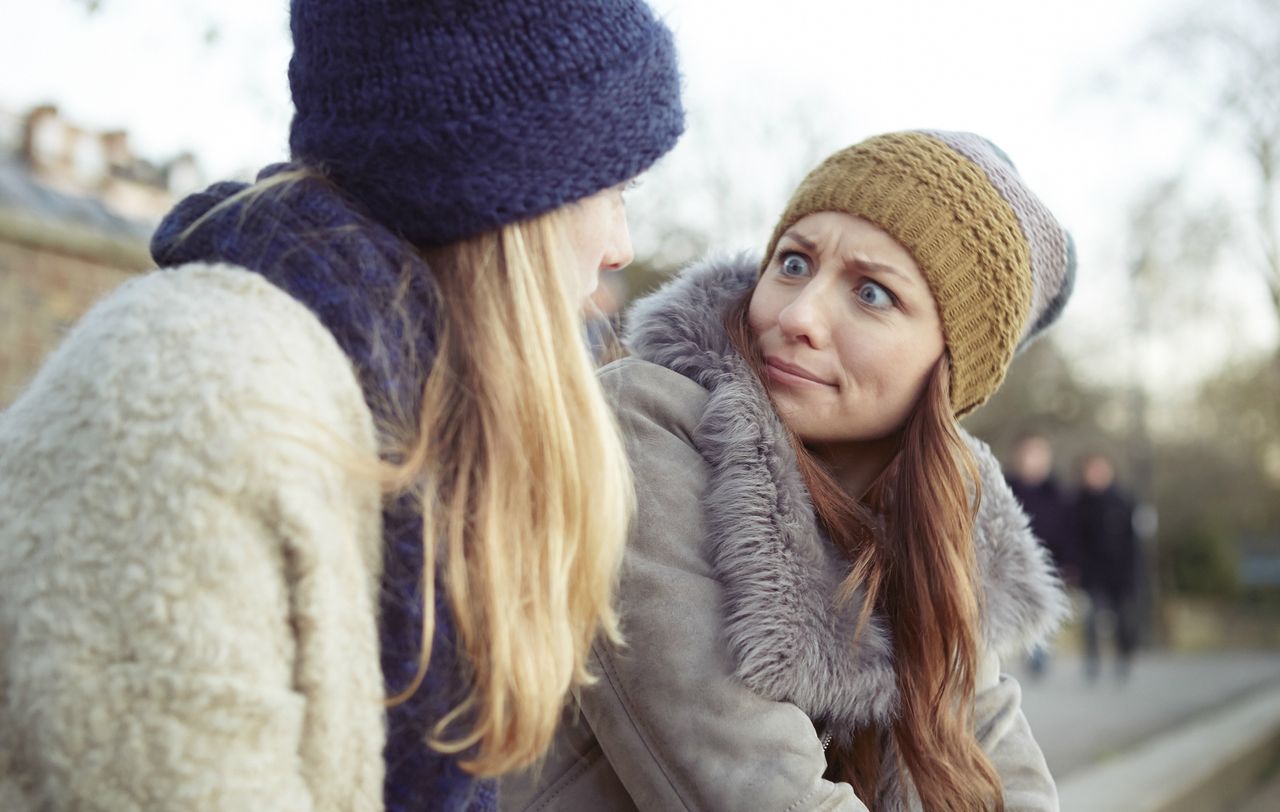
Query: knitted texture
[445,119]
[1052,249]
[309,241]
[998,264]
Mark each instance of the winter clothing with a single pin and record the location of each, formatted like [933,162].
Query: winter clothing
[1050,511]
[445,119]
[310,242]
[1107,543]
[188,573]
[193,625]
[1109,561]
[999,265]
[199,330]
[737,659]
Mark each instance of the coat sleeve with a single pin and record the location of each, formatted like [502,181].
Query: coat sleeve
[178,532]
[1006,738]
[680,730]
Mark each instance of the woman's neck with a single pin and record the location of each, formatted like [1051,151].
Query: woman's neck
[855,466]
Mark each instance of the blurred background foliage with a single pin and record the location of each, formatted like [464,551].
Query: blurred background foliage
[1206,457]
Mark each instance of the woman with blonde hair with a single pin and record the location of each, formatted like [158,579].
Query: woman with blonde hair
[327,513]
[824,567]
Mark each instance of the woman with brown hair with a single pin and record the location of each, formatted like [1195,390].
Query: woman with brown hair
[824,567]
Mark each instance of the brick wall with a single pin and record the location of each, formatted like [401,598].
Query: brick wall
[43,292]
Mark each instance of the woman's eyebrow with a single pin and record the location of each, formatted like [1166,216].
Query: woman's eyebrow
[879,267]
[807,244]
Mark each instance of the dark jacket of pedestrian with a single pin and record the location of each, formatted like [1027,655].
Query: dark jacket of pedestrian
[1108,547]
[1049,507]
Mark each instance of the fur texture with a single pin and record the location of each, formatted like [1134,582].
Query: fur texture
[188,572]
[790,642]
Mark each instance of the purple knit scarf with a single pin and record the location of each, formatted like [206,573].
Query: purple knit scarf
[311,242]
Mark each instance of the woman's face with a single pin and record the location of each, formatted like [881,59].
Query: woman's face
[848,328]
[599,239]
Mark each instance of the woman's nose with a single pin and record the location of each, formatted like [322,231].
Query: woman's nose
[804,318]
[618,250]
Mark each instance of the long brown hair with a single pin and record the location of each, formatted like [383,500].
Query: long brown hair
[910,548]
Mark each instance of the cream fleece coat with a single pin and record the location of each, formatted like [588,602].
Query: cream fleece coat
[185,621]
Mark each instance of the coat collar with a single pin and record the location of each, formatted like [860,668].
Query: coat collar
[789,639]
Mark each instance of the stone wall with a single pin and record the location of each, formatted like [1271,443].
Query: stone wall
[46,285]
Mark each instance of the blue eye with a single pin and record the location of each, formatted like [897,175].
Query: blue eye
[794,265]
[875,295]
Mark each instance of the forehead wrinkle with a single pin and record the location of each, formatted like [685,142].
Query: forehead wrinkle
[858,264]
[804,241]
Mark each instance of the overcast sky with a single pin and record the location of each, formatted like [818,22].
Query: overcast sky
[771,86]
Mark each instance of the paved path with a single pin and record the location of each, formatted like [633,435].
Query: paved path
[1266,799]
[1078,724]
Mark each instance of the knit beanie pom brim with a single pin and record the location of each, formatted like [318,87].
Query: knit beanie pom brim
[480,117]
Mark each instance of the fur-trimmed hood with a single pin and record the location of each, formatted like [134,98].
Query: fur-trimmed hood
[789,640]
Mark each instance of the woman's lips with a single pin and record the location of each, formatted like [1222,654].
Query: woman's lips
[792,375]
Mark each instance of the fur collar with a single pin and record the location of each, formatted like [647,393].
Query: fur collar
[780,574]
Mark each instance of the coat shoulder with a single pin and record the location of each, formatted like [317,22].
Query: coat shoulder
[206,374]
[229,324]
[642,390]
[184,340]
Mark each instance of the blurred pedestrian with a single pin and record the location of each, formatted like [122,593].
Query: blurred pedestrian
[206,603]
[1048,506]
[1108,559]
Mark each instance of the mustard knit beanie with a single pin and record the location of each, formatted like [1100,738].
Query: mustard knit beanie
[999,265]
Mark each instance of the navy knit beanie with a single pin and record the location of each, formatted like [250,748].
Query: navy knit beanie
[447,118]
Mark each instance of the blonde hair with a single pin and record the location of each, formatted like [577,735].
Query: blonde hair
[528,494]
[524,485]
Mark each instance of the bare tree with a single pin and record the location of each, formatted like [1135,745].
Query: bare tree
[1225,57]
[727,180]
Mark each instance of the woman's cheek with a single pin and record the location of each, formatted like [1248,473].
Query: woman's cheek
[766,306]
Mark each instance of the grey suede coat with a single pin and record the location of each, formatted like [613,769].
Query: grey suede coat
[738,663]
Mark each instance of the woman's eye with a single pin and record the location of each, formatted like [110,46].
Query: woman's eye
[794,265]
[873,294]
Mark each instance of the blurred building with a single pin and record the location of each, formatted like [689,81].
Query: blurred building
[76,210]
